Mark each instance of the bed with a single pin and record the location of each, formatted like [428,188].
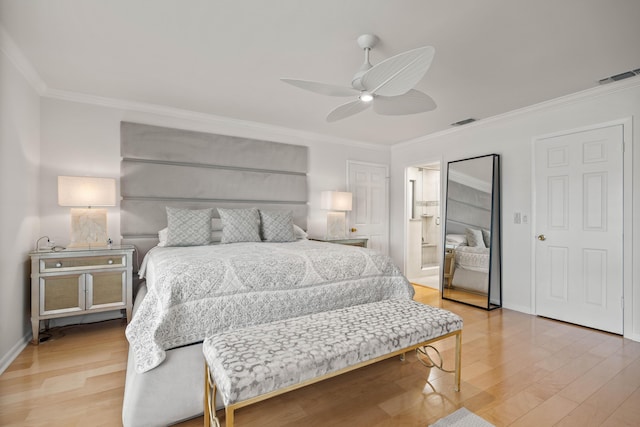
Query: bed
[194,292]
[270,281]
[471,271]
[471,263]
[188,292]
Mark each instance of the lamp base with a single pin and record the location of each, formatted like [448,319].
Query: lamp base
[88,228]
[336,224]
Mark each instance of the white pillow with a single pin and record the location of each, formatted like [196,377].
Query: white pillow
[162,236]
[474,238]
[299,232]
[486,236]
[457,239]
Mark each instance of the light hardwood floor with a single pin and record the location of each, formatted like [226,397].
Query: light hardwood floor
[517,370]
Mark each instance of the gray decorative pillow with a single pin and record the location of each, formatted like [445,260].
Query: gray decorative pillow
[216,236]
[474,238]
[486,236]
[187,227]
[240,225]
[277,226]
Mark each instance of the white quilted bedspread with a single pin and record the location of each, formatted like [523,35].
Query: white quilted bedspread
[195,292]
[472,258]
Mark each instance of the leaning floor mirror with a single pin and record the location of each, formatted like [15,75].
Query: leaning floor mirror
[471,272]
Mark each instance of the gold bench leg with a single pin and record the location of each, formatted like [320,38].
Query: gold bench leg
[229,414]
[425,358]
[210,419]
[458,359]
[207,411]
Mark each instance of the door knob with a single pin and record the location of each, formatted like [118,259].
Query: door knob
[542,237]
[353,230]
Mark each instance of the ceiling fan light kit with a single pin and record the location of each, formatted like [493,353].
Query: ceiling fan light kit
[366,97]
[387,86]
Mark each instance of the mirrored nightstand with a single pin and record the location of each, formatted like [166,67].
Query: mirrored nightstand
[77,281]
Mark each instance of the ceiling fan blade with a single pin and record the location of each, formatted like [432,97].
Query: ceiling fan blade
[411,102]
[322,88]
[346,110]
[398,74]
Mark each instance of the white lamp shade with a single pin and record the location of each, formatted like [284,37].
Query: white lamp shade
[336,200]
[85,191]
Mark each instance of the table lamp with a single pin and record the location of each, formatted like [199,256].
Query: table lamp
[83,194]
[337,203]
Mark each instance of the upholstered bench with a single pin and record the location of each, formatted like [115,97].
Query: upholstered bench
[252,364]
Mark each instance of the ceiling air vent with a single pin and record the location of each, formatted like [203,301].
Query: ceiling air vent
[463,122]
[620,76]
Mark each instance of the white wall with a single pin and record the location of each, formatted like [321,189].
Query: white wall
[511,136]
[413,267]
[42,138]
[19,222]
[84,139]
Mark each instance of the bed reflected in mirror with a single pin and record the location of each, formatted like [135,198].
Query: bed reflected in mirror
[471,272]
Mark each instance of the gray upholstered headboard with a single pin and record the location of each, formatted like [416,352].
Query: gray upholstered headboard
[173,167]
[467,207]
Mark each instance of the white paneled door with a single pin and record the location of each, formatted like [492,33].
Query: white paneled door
[579,229]
[370,215]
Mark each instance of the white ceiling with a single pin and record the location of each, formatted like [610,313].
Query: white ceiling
[225,58]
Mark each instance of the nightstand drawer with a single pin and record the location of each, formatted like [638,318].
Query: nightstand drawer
[79,263]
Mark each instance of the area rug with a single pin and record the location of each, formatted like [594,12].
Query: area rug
[462,418]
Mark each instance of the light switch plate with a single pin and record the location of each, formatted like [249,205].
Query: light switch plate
[517,218]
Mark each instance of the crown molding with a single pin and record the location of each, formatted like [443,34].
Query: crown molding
[594,92]
[22,64]
[282,134]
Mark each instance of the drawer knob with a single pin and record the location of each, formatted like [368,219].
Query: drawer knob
[110,262]
[58,264]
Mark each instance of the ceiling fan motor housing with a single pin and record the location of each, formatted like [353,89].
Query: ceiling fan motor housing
[367,41]
[356,83]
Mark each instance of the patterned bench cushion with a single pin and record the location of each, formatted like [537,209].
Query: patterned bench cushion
[256,360]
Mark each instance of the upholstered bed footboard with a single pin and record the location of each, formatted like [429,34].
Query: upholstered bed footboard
[148,402]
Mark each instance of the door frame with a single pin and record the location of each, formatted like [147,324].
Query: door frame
[627,216]
[405,216]
[386,196]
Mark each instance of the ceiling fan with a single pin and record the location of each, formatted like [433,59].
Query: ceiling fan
[388,86]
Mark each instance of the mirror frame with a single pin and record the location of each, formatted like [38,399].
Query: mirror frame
[494,279]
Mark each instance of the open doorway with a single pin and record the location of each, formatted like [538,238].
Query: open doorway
[424,232]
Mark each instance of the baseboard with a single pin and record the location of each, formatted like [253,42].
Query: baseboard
[14,352]
[521,308]
[632,337]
